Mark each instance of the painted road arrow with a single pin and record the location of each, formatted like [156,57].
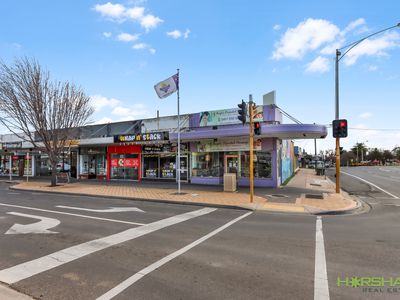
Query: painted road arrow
[39,227]
[110,209]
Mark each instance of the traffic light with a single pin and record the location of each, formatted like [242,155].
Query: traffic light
[242,112]
[257,128]
[341,150]
[339,128]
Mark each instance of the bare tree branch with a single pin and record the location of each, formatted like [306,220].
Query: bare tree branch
[39,110]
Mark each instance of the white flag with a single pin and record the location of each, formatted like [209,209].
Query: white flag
[167,86]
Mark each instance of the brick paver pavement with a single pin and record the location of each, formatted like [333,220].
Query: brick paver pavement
[305,179]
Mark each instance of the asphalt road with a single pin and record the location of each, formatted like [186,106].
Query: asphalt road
[175,251]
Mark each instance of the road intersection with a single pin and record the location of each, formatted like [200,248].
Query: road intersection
[169,251]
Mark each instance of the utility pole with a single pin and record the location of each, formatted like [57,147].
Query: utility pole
[251,148]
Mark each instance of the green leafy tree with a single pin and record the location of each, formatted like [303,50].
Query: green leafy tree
[396,152]
[360,150]
[388,155]
[375,154]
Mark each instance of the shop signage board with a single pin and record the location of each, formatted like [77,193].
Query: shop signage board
[228,145]
[142,137]
[125,162]
[227,117]
[11,145]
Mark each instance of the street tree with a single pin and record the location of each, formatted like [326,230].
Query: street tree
[387,155]
[375,155]
[360,150]
[39,110]
[347,157]
[396,152]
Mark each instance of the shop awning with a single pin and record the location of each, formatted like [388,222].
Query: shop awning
[281,131]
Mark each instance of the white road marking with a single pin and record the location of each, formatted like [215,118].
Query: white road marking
[39,227]
[321,287]
[390,204]
[71,214]
[56,259]
[154,266]
[10,193]
[371,184]
[111,209]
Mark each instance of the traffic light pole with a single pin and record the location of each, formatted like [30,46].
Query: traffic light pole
[251,149]
[337,153]
[339,56]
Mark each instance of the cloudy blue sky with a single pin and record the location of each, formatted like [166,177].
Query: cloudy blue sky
[226,50]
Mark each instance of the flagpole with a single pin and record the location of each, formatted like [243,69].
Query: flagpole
[178,164]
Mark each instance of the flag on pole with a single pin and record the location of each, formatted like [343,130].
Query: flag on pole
[167,86]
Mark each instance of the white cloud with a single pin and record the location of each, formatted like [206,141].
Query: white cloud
[104,120]
[130,113]
[99,101]
[373,47]
[276,27]
[318,65]
[149,22]
[112,11]
[126,37]
[107,34]
[142,46]
[135,13]
[119,13]
[176,34]
[365,115]
[353,25]
[372,68]
[306,36]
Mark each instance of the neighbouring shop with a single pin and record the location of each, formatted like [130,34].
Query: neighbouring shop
[123,162]
[92,163]
[159,161]
[214,158]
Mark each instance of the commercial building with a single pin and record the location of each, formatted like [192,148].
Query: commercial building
[212,143]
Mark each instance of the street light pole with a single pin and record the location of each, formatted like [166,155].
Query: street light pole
[339,56]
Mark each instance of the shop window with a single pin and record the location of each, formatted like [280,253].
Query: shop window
[262,164]
[125,166]
[207,164]
[168,167]
[150,166]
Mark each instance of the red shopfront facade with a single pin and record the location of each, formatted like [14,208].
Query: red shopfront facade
[123,162]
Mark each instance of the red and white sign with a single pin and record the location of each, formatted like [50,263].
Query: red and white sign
[125,162]
[131,162]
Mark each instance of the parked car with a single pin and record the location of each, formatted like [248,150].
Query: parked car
[311,164]
[63,167]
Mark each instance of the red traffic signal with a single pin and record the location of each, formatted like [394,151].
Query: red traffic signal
[257,128]
[339,128]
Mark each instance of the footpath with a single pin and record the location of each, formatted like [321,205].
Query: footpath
[305,193]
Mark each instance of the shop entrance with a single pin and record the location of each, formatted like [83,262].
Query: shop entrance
[232,164]
[184,168]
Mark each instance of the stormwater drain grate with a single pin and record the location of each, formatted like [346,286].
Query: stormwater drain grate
[316,184]
[315,196]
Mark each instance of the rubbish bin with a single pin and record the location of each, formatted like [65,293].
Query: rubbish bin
[229,182]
